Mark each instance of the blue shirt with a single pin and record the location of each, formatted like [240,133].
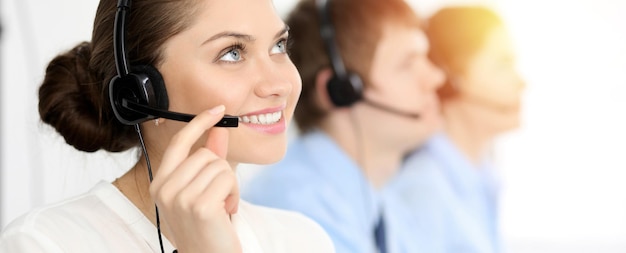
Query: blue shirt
[453,201]
[318,179]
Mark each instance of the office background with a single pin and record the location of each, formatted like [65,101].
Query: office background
[564,170]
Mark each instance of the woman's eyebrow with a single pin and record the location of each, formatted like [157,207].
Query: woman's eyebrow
[282,31]
[237,35]
[242,36]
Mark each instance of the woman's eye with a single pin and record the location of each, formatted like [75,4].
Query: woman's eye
[280,47]
[233,55]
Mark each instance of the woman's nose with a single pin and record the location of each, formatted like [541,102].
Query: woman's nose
[273,81]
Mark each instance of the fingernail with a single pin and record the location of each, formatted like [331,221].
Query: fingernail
[217,109]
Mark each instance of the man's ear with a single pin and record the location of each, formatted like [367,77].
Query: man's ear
[321,90]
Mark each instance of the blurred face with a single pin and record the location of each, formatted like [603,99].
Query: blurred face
[402,77]
[235,54]
[492,83]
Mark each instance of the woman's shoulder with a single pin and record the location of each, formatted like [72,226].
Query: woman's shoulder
[62,213]
[285,231]
[64,223]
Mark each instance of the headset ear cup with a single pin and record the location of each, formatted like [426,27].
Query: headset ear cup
[151,81]
[127,88]
[144,85]
[345,92]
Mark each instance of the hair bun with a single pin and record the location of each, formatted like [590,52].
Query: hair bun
[74,102]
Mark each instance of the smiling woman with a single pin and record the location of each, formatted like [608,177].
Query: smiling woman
[185,56]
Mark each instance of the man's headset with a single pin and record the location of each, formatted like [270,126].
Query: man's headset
[138,93]
[345,88]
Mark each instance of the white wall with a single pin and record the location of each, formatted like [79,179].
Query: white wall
[36,166]
[564,170]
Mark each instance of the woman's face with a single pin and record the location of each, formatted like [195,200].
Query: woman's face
[491,81]
[402,77]
[234,54]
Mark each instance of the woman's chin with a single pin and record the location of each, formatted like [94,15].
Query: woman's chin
[270,156]
[269,159]
[507,122]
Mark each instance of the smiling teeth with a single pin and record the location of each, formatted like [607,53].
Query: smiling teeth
[263,119]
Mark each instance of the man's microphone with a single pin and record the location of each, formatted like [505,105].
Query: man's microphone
[390,109]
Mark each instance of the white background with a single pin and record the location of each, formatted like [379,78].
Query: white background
[564,169]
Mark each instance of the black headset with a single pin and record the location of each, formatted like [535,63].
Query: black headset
[344,88]
[138,93]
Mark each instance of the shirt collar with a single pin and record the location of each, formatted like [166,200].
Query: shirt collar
[463,175]
[343,173]
[132,216]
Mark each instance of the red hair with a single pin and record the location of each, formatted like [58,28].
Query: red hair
[456,34]
[358,29]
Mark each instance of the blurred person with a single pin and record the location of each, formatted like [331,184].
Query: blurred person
[368,98]
[114,93]
[449,183]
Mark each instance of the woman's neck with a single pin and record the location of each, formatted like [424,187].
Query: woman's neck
[468,131]
[135,186]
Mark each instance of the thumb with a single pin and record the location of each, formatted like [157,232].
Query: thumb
[217,141]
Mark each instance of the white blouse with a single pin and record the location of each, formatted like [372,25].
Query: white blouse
[104,220]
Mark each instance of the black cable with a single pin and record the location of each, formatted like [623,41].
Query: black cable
[156,209]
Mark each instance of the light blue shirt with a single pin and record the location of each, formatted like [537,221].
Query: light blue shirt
[319,180]
[453,201]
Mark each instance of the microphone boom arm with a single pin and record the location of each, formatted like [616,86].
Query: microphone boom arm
[226,121]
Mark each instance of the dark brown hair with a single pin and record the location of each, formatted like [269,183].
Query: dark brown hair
[456,34]
[73,97]
[358,28]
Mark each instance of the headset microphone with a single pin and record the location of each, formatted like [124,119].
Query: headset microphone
[226,121]
[138,93]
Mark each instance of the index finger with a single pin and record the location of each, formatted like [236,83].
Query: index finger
[181,143]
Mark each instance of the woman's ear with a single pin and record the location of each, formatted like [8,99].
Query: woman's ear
[321,90]
[456,82]
[452,86]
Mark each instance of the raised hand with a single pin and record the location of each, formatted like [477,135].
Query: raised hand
[196,192]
